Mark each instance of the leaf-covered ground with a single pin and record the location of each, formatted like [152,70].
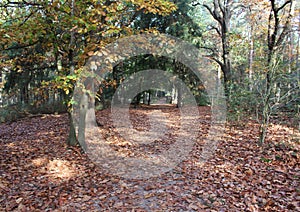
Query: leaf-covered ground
[38,172]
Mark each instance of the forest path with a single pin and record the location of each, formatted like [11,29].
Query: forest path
[39,172]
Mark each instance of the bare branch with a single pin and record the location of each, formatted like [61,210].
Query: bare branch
[288,94]
[217,30]
[280,8]
[214,50]
[19,4]
[19,46]
[27,18]
[286,26]
[195,4]
[215,59]
[214,14]
[222,8]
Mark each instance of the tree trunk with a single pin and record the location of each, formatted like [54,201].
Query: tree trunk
[145,95]
[149,97]
[72,139]
[179,96]
[84,104]
[222,12]
[250,59]
[227,80]
[274,40]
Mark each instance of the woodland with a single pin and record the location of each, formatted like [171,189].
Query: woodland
[253,51]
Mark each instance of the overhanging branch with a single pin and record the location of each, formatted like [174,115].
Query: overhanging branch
[19,46]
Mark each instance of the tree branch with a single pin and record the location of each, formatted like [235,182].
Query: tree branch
[19,3]
[285,30]
[213,14]
[209,48]
[222,7]
[280,8]
[19,46]
[217,30]
[26,18]
[216,60]
[194,4]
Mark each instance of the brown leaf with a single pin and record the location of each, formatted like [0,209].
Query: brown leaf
[19,200]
